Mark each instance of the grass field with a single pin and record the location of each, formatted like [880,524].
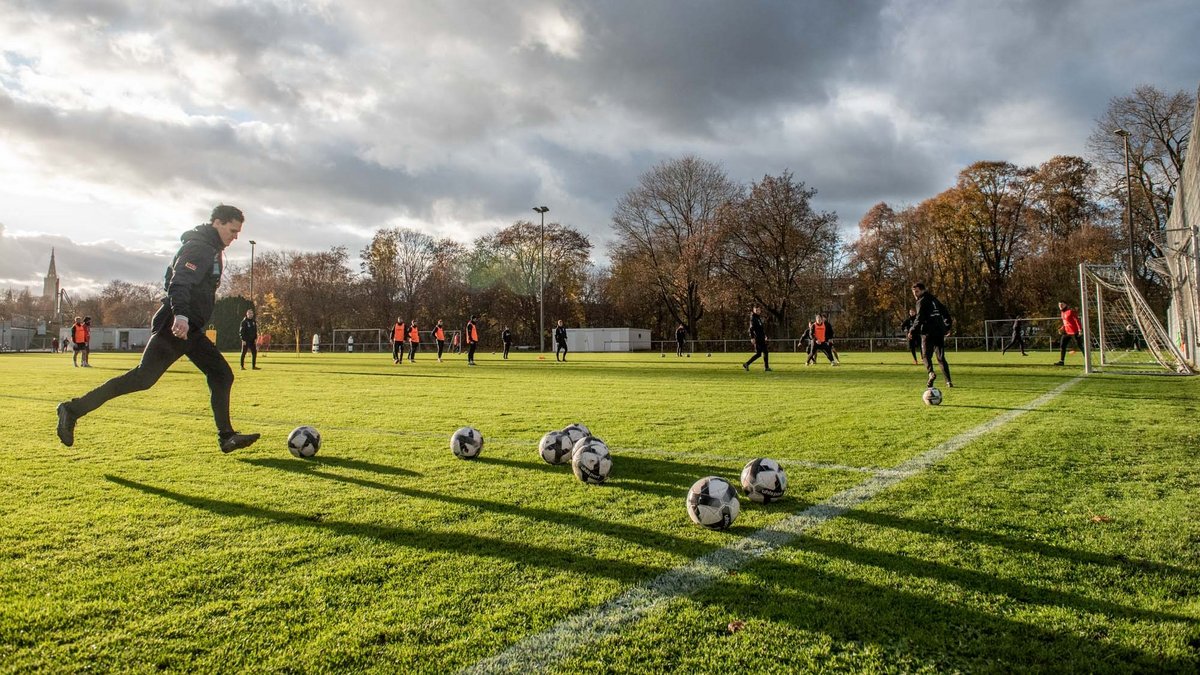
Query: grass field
[1064,540]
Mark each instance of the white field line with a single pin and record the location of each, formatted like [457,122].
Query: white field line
[542,650]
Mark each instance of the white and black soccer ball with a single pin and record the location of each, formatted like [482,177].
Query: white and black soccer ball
[577,432]
[712,502]
[555,447]
[932,396]
[466,443]
[763,480]
[590,460]
[304,442]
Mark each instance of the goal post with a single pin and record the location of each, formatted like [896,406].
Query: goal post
[1121,334]
[359,340]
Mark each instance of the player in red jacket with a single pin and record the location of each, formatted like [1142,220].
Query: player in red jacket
[1070,329]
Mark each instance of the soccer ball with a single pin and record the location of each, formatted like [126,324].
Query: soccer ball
[590,460]
[304,442]
[932,396]
[466,443]
[555,447]
[713,503]
[1129,328]
[577,432]
[764,480]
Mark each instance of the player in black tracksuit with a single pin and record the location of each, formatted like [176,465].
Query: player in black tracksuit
[248,332]
[506,338]
[177,330]
[914,341]
[822,340]
[758,338]
[931,323]
[1017,338]
[560,341]
[680,338]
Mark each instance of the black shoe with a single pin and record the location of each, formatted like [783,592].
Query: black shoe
[746,366]
[1058,363]
[256,368]
[949,384]
[932,378]
[66,425]
[243,367]
[237,441]
[767,369]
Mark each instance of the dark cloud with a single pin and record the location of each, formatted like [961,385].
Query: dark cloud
[327,121]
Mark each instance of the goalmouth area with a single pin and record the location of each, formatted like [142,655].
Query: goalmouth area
[1037,519]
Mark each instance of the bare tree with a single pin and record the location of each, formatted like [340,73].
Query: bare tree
[669,223]
[1159,125]
[772,239]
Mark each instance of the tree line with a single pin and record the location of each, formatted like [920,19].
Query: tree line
[693,247]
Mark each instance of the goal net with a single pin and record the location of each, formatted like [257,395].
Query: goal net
[360,340]
[1121,333]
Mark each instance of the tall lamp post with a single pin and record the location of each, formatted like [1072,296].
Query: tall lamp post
[252,243]
[1128,200]
[542,278]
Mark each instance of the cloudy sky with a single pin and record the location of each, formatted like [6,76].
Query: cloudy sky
[122,122]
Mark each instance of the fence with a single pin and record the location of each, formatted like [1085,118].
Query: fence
[855,344]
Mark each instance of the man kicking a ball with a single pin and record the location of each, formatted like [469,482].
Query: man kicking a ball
[177,329]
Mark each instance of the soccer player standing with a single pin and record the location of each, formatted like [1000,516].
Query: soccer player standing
[414,340]
[439,334]
[1070,329]
[506,338]
[680,336]
[398,332]
[822,339]
[471,331]
[931,323]
[78,340]
[560,341]
[177,330]
[914,342]
[248,332]
[758,338]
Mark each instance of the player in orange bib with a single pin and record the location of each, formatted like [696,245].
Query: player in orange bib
[439,334]
[414,340]
[398,331]
[472,336]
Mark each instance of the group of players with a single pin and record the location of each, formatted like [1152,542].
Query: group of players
[191,283]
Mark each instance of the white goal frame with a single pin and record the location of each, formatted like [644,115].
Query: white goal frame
[1111,309]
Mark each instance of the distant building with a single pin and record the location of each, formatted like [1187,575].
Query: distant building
[51,285]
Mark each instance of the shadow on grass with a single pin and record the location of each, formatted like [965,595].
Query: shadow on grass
[434,542]
[342,463]
[638,536]
[1015,544]
[945,635]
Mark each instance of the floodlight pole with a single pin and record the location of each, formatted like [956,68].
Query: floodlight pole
[252,243]
[542,278]
[1128,199]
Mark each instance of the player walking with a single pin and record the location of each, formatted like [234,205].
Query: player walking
[177,330]
[1017,338]
[680,336]
[1070,329]
[758,338]
[560,341]
[931,323]
[506,338]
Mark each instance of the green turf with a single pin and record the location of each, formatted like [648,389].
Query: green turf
[1065,541]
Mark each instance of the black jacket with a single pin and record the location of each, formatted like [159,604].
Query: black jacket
[1018,327]
[932,316]
[560,334]
[249,330]
[680,334]
[192,279]
[756,328]
[908,324]
[506,337]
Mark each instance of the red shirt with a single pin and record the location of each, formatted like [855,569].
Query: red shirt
[1070,322]
[414,335]
[398,333]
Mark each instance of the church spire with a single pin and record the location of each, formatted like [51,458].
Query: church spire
[52,273]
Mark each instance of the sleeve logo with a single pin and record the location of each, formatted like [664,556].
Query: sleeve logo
[190,266]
